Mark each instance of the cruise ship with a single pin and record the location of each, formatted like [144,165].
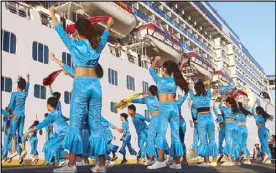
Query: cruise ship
[142,30]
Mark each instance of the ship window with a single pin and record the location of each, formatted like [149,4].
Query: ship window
[67,97]
[39,91]
[40,53]
[130,83]
[6,84]
[8,42]
[145,87]
[147,114]
[112,108]
[191,123]
[66,59]
[112,77]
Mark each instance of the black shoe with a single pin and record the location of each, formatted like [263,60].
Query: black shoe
[21,161]
[123,162]
[114,158]
[220,157]
[138,158]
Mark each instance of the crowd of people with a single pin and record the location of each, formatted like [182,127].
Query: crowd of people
[89,135]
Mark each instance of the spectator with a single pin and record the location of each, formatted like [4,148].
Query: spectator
[257,152]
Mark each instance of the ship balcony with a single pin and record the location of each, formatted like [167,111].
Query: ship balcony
[271,81]
[19,8]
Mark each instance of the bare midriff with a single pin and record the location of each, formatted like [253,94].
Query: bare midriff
[166,97]
[81,71]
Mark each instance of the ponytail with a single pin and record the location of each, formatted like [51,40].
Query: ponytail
[86,29]
[172,68]
[99,71]
[243,110]
[233,104]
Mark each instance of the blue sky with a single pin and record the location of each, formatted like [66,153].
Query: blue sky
[254,23]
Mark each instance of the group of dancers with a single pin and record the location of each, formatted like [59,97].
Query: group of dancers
[88,133]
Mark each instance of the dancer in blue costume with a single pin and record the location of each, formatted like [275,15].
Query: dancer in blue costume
[33,142]
[225,89]
[243,132]
[126,138]
[6,128]
[153,106]
[141,129]
[201,101]
[53,149]
[17,107]
[56,95]
[182,125]
[220,121]
[196,137]
[85,51]
[231,111]
[261,116]
[168,112]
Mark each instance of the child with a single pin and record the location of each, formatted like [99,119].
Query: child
[53,148]
[17,106]
[126,138]
[33,142]
[57,96]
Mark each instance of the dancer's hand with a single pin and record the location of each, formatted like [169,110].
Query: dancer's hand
[52,11]
[25,136]
[52,56]
[65,72]
[13,116]
[158,58]
[120,130]
[28,77]
[110,23]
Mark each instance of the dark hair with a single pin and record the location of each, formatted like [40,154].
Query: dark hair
[200,88]
[172,68]
[233,104]
[262,112]
[46,115]
[34,123]
[99,71]
[132,107]
[124,115]
[52,101]
[243,110]
[8,110]
[57,95]
[86,29]
[153,90]
[21,83]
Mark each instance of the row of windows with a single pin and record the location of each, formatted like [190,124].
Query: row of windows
[8,42]
[39,90]
[113,80]
[40,52]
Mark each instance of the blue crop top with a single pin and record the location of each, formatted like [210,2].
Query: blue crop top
[201,101]
[83,55]
[165,85]
[258,118]
[151,102]
[227,112]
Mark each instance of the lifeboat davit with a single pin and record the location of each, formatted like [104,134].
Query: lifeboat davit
[154,41]
[222,77]
[124,19]
[201,65]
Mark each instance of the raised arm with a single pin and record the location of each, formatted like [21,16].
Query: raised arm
[51,90]
[184,62]
[105,35]
[191,93]
[26,91]
[139,100]
[215,111]
[62,34]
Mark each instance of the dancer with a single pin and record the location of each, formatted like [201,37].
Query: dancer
[56,95]
[243,132]
[261,116]
[126,138]
[17,106]
[153,106]
[85,52]
[7,134]
[53,148]
[168,111]
[230,112]
[141,130]
[196,137]
[108,137]
[182,126]
[201,101]
[33,142]
[220,121]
